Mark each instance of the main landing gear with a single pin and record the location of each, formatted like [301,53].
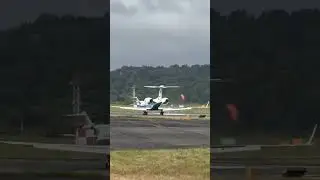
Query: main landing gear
[146,113]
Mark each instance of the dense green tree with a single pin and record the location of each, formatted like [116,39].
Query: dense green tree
[194,82]
[273,60]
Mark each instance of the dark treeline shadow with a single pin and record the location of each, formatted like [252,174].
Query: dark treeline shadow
[39,59]
[273,63]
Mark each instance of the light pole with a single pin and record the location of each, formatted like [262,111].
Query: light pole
[76,98]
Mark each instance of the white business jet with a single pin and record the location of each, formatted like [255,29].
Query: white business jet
[150,104]
[152,107]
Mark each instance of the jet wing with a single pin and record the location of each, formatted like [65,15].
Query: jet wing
[130,108]
[176,109]
[149,107]
[103,149]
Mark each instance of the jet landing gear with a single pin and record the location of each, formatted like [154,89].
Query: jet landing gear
[146,113]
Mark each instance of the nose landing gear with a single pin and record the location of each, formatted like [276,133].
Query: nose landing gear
[145,113]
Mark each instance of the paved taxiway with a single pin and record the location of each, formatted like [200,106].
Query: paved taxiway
[145,134]
[21,165]
[17,166]
[261,170]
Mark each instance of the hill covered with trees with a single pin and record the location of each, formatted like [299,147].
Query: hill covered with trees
[194,82]
[39,59]
[273,61]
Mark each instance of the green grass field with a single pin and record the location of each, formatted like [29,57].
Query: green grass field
[195,110]
[187,164]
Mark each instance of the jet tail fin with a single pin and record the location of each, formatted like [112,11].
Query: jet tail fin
[310,140]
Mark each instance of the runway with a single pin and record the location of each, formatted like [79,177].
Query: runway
[158,134]
[22,165]
[50,169]
[261,170]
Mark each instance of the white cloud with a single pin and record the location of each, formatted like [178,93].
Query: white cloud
[159,32]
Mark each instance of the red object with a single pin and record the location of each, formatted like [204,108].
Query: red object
[233,111]
[182,97]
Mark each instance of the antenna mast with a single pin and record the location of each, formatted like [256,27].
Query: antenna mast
[76,97]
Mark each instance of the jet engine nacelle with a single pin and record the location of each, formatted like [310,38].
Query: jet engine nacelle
[165,100]
[148,100]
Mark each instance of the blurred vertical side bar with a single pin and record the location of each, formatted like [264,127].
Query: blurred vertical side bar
[217,109]
[107,83]
[212,56]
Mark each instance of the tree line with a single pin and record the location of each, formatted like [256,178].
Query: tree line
[39,59]
[272,62]
[193,81]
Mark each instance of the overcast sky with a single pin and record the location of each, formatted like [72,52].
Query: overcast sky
[147,32]
[159,32]
[14,12]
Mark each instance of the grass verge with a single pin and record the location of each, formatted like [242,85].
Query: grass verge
[187,164]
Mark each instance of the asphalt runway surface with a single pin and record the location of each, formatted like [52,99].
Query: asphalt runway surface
[21,165]
[158,134]
[17,166]
[259,170]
